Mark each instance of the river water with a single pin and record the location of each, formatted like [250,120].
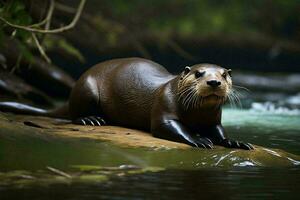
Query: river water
[182,177]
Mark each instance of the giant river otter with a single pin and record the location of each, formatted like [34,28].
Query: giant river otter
[138,93]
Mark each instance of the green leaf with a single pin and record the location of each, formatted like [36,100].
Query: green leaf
[25,52]
[22,35]
[69,48]
[17,5]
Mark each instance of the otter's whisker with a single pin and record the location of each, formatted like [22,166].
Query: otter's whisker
[187,99]
[187,95]
[201,101]
[184,91]
[185,88]
[190,103]
[237,93]
[237,99]
[234,99]
[195,99]
[241,87]
[232,103]
[192,99]
[181,94]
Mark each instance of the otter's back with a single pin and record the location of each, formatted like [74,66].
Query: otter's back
[127,90]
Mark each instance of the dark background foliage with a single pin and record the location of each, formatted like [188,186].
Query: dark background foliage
[258,35]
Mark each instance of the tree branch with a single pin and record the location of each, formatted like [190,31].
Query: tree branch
[40,48]
[48,16]
[58,30]
[179,50]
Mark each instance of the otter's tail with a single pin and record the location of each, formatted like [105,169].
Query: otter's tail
[21,108]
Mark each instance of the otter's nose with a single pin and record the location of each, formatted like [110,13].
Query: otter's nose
[213,83]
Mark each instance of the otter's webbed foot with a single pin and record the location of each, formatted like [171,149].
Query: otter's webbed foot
[236,144]
[90,121]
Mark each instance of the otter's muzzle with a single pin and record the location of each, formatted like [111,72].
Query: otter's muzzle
[213,83]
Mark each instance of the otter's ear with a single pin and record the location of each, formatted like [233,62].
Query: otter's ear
[229,72]
[187,69]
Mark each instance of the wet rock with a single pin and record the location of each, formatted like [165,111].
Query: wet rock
[112,145]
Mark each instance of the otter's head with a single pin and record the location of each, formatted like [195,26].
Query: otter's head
[204,85]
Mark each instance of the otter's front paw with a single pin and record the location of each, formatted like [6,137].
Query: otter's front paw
[90,120]
[236,144]
[203,142]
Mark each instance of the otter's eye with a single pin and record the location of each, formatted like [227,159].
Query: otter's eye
[199,74]
[224,75]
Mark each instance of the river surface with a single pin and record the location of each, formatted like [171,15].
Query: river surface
[241,183]
[182,178]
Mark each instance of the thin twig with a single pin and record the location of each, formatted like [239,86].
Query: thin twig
[48,19]
[59,172]
[141,49]
[40,48]
[136,43]
[179,50]
[16,66]
[48,16]
[58,30]
[65,8]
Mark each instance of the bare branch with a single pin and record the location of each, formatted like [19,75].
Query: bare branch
[59,172]
[58,30]
[40,48]
[141,49]
[179,50]
[48,16]
[65,8]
